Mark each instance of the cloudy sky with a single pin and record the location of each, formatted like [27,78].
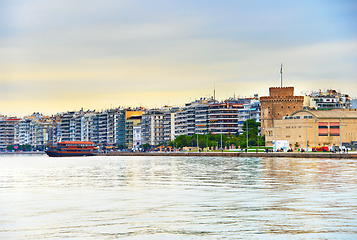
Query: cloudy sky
[63,55]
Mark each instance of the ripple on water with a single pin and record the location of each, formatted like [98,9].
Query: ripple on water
[177,198]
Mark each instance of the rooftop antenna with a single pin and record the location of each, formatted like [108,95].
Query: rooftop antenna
[214,92]
[281,75]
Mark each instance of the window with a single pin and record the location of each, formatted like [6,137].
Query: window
[323,129]
[334,128]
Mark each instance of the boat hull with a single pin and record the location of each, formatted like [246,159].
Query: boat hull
[68,154]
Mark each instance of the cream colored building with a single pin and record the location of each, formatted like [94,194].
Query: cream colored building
[315,128]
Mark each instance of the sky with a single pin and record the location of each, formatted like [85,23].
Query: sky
[58,56]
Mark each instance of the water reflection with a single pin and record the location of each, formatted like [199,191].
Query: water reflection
[177,198]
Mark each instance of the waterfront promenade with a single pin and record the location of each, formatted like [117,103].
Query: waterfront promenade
[350,155]
[237,154]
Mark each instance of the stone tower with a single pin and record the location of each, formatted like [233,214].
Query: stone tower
[281,102]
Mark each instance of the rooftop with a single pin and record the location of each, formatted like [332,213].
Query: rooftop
[338,113]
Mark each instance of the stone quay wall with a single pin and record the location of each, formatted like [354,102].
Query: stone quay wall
[235,154]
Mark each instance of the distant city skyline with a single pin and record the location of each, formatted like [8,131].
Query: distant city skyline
[64,55]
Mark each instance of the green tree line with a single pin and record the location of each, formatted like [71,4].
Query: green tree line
[25,147]
[214,140]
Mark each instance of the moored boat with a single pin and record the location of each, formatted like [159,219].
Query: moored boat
[71,149]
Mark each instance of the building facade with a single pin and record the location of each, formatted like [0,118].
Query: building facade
[328,100]
[137,137]
[311,128]
[224,118]
[281,102]
[152,127]
[7,132]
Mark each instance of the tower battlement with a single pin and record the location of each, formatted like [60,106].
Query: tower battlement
[281,91]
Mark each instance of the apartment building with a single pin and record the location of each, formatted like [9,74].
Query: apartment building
[40,133]
[202,118]
[132,119]
[180,122]
[115,127]
[105,128]
[65,129]
[169,122]
[255,109]
[224,118]
[120,127]
[131,123]
[7,131]
[102,128]
[137,137]
[328,100]
[85,126]
[152,127]
[22,132]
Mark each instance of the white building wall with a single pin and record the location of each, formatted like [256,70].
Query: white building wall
[137,137]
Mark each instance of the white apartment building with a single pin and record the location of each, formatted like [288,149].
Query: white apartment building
[169,122]
[327,100]
[180,120]
[7,132]
[137,137]
[152,127]
[22,132]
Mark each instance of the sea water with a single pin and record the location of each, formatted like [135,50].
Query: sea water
[177,198]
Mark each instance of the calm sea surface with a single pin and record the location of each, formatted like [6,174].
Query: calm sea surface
[177,198]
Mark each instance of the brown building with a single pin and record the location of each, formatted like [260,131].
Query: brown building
[281,102]
[315,128]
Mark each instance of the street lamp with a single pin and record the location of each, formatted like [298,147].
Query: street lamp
[341,130]
[197,141]
[221,133]
[316,120]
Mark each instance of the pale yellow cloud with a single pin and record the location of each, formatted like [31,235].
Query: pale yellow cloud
[97,83]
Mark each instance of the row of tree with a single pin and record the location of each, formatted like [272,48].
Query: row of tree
[218,140]
[25,147]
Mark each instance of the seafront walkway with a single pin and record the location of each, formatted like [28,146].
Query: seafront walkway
[352,155]
[237,154]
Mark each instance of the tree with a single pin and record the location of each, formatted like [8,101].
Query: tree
[25,147]
[121,146]
[146,146]
[182,141]
[253,132]
[214,140]
[252,142]
[202,143]
[10,148]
